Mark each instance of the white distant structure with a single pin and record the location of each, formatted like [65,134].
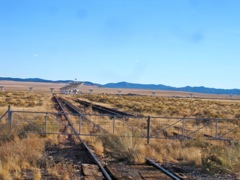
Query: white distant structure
[75,91]
[119,92]
[90,91]
[30,89]
[1,88]
[72,87]
[153,93]
[191,95]
[51,89]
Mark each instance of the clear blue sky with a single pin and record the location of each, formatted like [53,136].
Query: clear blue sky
[171,42]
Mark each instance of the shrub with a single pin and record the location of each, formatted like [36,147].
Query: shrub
[237,115]
[222,159]
[122,148]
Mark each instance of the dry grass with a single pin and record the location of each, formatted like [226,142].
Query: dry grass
[96,144]
[170,107]
[61,170]
[213,159]
[27,153]
[26,101]
[20,154]
[134,150]
[222,159]
[124,146]
[98,147]
[37,174]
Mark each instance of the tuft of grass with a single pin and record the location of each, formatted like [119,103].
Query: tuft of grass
[98,147]
[53,172]
[65,176]
[175,151]
[37,174]
[19,154]
[123,148]
[222,159]
[5,174]
[6,133]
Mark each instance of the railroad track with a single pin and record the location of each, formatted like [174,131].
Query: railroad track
[113,169]
[92,168]
[103,109]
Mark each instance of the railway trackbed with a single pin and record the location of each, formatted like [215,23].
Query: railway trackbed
[90,167]
[111,169]
[103,109]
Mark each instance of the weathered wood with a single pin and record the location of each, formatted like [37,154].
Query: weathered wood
[92,178]
[123,172]
[91,170]
[149,172]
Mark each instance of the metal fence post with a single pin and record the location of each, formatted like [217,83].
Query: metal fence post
[148,129]
[216,135]
[9,116]
[183,124]
[46,118]
[114,119]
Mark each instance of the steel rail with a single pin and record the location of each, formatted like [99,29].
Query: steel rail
[116,113]
[165,171]
[106,109]
[106,175]
[84,116]
[81,115]
[98,107]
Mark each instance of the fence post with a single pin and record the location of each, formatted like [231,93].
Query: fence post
[216,135]
[46,118]
[183,124]
[9,116]
[114,119]
[148,129]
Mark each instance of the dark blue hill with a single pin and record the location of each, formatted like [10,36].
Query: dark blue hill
[200,89]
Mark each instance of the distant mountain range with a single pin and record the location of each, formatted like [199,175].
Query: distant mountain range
[126,85]
[32,80]
[43,80]
[200,89]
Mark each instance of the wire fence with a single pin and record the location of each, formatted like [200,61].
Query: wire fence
[139,127]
